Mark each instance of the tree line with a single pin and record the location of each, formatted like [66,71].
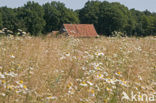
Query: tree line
[107,17]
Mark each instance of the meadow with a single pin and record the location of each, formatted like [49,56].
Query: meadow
[77,70]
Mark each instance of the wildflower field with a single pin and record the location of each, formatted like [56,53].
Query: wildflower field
[76,70]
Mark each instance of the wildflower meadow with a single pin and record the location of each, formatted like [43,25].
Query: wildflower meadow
[77,70]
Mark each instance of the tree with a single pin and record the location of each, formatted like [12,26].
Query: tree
[110,19]
[106,17]
[32,17]
[90,13]
[138,26]
[57,14]
[9,18]
[146,12]
[0,19]
[128,24]
[154,24]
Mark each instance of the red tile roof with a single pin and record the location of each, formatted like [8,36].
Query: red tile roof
[80,30]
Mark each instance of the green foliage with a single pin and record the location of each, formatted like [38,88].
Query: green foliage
[154,26]
[109,17]
[0,19]
[106,17]
[89,14]
[56,14]
[9,18]
[32,14]
[126,18]
[144,23]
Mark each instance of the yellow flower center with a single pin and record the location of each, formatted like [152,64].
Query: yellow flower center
[119,73]
[21,82]
[24,86]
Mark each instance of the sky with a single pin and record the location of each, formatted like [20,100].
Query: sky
[78,4]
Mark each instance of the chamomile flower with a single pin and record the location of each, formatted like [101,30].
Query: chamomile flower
[84,68]
[84,84]
[67,54]
[12,74]
[99,76]
[70,85]
[12,56]
[71,91]
[2,75]
[91,92]
[140,78]
[108,89]
[51,97]
[3,94]
[90,83]
[118,74]
[99,54]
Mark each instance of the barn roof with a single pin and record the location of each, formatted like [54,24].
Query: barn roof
[80,30]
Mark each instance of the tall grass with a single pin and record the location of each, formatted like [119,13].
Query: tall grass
[76,70]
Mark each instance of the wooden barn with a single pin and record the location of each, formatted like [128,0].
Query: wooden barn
[79,30]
